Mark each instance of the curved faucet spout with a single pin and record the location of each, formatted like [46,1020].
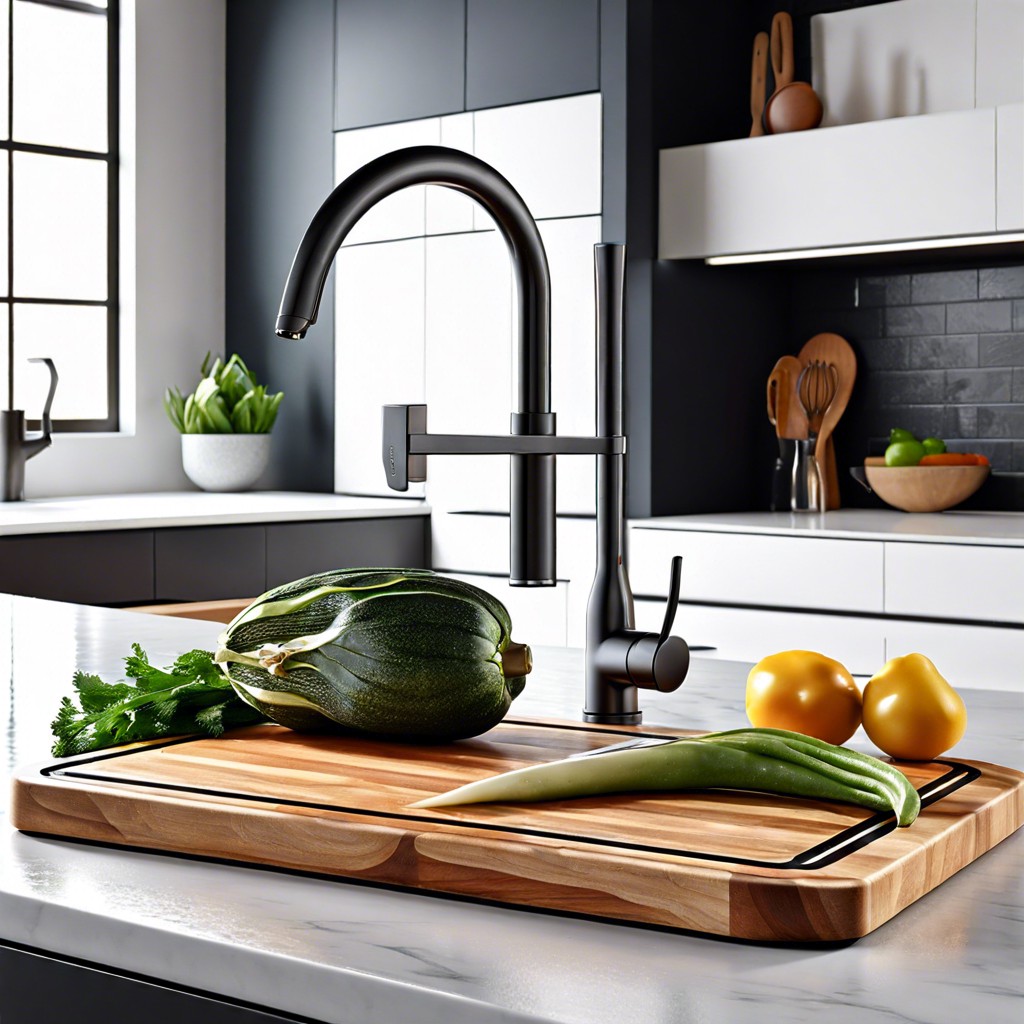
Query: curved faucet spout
[434,165]
[532,488]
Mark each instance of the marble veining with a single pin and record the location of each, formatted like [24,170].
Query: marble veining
[343,952]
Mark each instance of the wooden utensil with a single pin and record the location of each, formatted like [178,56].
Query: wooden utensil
[748,865]
[831,348]
[758,83]
[792,106]
[787,417]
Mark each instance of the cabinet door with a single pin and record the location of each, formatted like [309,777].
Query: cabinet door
[106,567]
[746,634]
[519,50]
[752,569]
[210,563]
[295,550]
[397,61]
[970,657]
[35,988]
[955,581]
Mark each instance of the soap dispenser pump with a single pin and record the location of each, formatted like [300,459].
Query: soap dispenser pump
[17,446]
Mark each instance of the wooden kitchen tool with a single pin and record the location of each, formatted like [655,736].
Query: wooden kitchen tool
[786,415]
[758,83]
[748,865]
[792,106]
[833,349]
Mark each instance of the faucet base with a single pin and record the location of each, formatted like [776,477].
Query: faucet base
[631,718]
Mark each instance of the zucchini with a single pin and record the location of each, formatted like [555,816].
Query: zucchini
[390,652]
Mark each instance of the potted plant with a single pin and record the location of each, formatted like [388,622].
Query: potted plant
[225,425]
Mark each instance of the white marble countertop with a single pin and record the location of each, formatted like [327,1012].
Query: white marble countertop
[340,952]
[1001,529]
[191,508]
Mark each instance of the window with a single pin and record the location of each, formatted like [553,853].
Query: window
[59,187]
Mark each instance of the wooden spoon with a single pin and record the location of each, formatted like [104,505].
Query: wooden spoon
[758,83]
[793,106]
[789,419]
[831,348]
[786,415]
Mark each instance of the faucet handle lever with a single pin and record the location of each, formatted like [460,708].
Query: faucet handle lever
[660,661]
[673,598]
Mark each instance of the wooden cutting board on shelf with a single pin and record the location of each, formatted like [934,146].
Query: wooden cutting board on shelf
[734,864]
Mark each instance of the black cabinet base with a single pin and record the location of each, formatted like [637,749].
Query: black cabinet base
[37,988]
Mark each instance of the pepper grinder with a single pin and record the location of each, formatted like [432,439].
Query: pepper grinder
[17,447]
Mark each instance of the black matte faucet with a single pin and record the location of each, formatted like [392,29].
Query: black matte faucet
[619,657]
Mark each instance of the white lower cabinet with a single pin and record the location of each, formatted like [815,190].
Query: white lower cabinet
[986,657]
[744,634]
[757,569]
[955,581]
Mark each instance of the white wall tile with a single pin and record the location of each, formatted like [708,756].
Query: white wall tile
[469,384]
[469,543]
[402,215]
[894,60]
[448,210]
[570,248]
[379,345]
[550,152]
[1000,71]
[537,613]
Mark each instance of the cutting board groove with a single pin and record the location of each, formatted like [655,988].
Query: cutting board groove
[740,864]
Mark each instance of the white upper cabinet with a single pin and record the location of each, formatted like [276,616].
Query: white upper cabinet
[402,215]
[378,355]
[922,139]
[884,181]
[426,299]
[550,152]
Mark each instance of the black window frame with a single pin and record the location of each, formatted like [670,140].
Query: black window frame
[112,12]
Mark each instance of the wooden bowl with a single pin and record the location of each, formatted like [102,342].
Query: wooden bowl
[924,488]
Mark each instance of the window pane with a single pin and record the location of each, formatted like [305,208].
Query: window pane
[60,227]
[5,7]
[75,338]
[60,77]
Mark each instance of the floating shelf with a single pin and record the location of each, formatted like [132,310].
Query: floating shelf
[937,176]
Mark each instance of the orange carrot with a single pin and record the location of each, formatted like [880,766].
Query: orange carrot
[954,459]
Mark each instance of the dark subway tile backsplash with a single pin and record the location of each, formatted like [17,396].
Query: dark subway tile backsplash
[1001,283]
[944,286]
[940,352]
[988,315]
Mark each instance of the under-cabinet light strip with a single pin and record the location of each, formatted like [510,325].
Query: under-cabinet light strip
[856,250]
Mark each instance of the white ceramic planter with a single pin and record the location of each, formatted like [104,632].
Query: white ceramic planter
[224,462]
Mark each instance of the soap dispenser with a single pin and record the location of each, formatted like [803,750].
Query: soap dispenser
[17,446]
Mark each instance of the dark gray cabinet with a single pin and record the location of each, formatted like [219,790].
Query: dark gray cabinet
[210,563]
[301,549]
[105,567]
[202,563]
[520,50]
[37,989]
[398,60]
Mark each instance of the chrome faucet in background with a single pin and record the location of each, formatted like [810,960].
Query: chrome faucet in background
[619,658]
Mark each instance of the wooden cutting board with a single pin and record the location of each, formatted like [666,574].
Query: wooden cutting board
[735,864]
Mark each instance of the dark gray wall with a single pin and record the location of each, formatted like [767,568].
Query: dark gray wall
[280,58]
